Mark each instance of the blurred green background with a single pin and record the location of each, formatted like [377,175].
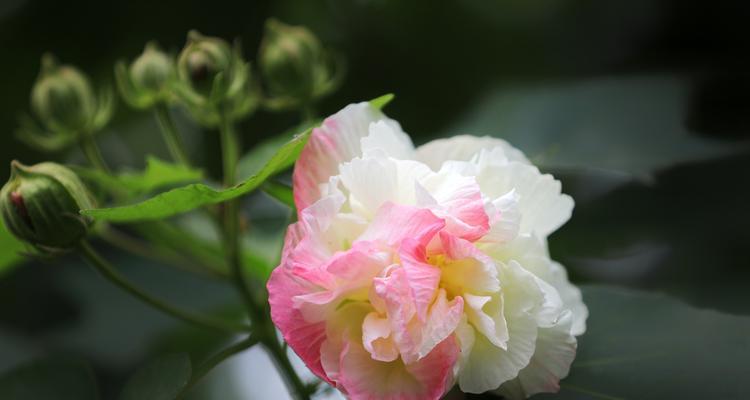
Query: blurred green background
[640,107]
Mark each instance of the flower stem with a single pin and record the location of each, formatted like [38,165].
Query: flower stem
[204,368]
[91,151]
[255,299]
[170,134]
[111,274]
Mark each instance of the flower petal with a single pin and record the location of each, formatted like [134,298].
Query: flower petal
[336,141]
[463,148]
[555,351]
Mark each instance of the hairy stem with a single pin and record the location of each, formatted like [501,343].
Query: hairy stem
[170,134]
[211,363]
[93,154]
[110,273]
[254,295]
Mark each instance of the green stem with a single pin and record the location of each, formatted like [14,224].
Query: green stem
[91,151]
[297,388]
[141,248]
[256,305]
[170,134]
[111,274]
[209,364]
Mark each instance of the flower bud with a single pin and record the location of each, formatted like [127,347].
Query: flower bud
[152,70]
[147,80]
[214,81]
[62,97]
[40,205]
[294,65]
[202,59]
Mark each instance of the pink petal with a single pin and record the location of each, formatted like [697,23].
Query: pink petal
[393,223]
[336,141]
[303,337]
[423,278]
[363,378]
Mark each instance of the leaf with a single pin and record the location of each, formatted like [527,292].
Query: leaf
[12,247]
[49,379]
[641,345]
[254,160]
[630,124]
[382,101]
[187,198]
[158,174]
[279,191]
[161,379]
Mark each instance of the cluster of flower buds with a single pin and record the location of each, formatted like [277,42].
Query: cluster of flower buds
[209,77]
[296,69]
[40,205]
[65,105]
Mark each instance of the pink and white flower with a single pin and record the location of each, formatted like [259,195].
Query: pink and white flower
[411,270]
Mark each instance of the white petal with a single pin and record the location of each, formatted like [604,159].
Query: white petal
[336,141]
[387,136]
[542,205]
[489,366]
[555,351]
[463,148]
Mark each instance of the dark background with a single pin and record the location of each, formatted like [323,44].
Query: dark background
[641,107]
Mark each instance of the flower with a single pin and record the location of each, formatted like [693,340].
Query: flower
[410,270]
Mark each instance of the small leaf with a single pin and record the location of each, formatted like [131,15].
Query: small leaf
[189,197]
[158,174]
[12,248]
[382,101]
[640,345]
[161,379]
[280,192]
[49,379]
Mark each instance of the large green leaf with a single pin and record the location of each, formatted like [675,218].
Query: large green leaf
[187,198]
[641,345]
[158,174]
[10,255]
[632,124]
[49,379]
[161,379]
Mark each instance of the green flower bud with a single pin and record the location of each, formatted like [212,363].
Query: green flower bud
[295,67]
[152,70]
[62,97]
[148,78]
[40,205]
[214,81]
[202,59]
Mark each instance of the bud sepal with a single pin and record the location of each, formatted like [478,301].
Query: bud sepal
[40,205]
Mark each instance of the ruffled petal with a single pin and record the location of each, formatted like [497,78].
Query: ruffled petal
[336,141]
[555,351]
[464,148]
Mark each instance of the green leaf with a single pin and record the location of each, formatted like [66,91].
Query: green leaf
[12,248]
[187,198]
[49,379]
[640,345]
[632,124]
[279,191]
[253,161]
[382,101]
[161,379]
[158,174]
